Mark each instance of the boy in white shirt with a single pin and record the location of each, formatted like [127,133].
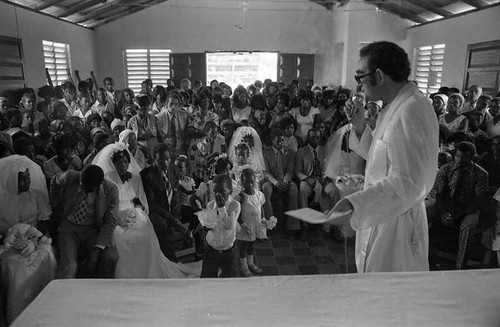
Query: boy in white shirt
[84,111]
[101,105]
[220,239]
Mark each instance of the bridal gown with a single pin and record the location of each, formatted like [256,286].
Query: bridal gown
[139,252]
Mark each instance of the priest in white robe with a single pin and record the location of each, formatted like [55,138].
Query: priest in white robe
[389,215]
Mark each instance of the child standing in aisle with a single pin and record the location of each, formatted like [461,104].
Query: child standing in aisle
[220,239]
[251,201]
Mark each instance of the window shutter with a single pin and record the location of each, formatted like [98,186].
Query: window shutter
[192,66]
[295,66]
[159,66]
[12,75]
[429,68]
[147,63]
[57,61]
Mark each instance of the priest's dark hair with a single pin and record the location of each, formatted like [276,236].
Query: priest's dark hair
[389,58]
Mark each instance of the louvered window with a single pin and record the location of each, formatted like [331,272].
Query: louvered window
[429,68]
[147,63]
[57,61]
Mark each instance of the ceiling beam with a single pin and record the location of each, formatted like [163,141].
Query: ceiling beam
[127,12]
[401,12]
[110,8]
[80,6]
[119,10]
[428,5]
[46,4]
[475,3]
[41,13]
[458,15]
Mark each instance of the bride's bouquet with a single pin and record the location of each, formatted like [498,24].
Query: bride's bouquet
[349,183]
[208,218]
[24,239]
[265,225]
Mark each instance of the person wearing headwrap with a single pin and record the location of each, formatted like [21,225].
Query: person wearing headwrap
[140,154]
[439,102]
[28,263]
[117,126]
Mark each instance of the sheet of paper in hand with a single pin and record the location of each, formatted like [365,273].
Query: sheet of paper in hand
[315,217]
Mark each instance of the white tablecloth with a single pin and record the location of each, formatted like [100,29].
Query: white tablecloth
[460,298]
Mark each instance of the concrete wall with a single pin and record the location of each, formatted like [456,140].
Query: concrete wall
[457,33]
[33,28]
[211,25]
[280,25]
[366,24]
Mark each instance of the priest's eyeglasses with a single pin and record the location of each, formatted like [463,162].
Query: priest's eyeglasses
[359,77]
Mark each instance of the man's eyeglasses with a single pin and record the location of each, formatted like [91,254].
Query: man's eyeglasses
[359,77]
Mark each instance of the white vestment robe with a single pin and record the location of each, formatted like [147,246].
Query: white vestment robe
[389,213]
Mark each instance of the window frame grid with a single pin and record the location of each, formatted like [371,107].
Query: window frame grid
[428,67]
[151,68]
[58,75]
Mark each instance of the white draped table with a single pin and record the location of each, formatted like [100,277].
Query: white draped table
[452,298]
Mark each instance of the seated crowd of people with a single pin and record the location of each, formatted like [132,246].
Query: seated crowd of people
[116,180]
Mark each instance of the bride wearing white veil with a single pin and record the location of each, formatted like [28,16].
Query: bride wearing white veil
[139,252]
[247,134]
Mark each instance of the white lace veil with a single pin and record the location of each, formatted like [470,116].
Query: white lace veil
[9,167]
[256,156]
[338,160]
[103,159]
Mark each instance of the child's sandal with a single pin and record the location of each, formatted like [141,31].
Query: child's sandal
[256,270]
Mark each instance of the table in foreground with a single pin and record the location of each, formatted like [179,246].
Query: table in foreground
[454,298]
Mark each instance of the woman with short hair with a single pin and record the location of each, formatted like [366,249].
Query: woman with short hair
[453,120]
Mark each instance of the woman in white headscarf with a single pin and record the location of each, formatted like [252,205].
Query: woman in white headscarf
[129,137]
[139,252]
[28,262]
[439,103]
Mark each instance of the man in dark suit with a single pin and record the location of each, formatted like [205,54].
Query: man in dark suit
[159,188]
[280,165]
[309,167]
[85,205]
[174,122]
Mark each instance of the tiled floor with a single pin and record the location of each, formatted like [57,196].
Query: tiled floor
[320,254]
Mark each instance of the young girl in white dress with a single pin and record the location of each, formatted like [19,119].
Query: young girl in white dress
[248,135]
[251,201]
[242,162]
[139,252]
